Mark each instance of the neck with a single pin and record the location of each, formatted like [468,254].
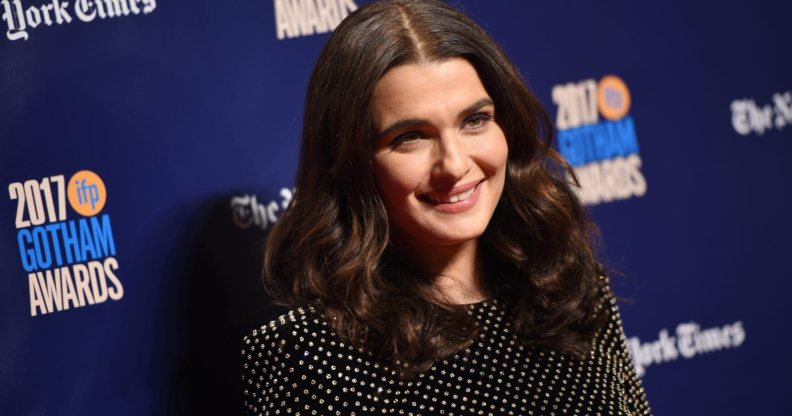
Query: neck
[456,270]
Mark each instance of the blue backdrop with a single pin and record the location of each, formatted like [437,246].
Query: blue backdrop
[148,146]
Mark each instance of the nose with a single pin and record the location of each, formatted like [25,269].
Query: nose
[451,159]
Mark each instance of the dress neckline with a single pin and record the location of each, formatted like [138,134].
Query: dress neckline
[481,303]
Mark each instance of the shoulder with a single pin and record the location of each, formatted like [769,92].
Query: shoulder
[610,342]
[269,357]
[610,348]
[287,330]
[611,334]
[298,364]
[296,318]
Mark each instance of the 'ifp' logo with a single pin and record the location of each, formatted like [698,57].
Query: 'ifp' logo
[613,98]
[87,193]
[603,153]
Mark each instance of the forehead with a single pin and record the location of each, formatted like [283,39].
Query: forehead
[426,90]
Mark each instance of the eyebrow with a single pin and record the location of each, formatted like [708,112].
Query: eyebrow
[408,123]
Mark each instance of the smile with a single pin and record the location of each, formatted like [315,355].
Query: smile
[454,198]
[457,200]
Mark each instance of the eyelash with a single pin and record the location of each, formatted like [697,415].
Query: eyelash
[483,118]
[405,138]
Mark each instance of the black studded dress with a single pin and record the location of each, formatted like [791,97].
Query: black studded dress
[297,365]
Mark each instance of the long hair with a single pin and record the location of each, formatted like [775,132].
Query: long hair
[332,245]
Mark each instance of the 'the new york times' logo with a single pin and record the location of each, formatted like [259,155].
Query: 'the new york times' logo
[604,153]
[20,19]
[748,117]
[71,263]
[247,211]
[690,340]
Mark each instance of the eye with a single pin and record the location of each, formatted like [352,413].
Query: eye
[477,120]
[406,138]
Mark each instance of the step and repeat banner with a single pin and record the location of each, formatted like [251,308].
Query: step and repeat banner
[147,147]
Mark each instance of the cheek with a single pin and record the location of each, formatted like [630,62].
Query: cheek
[496,154]
[393,180]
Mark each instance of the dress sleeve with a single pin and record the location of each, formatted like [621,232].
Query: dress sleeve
[627,382]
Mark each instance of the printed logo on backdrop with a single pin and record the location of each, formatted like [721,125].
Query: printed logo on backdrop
[604,153]
[689,342]
[70,263]
[748,117]
[247,211]
[20,18]
[295,18]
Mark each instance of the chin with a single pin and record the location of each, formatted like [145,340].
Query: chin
[443,239]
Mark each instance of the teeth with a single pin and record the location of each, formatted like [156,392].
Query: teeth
[456,198]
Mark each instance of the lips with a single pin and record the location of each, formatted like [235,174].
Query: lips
[456,198]
[457,195]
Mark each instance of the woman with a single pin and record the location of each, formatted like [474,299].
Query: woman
[435,257]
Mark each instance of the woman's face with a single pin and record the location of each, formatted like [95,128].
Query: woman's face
[440,158]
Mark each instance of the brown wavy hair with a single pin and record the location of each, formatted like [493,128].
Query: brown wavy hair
[332,245]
